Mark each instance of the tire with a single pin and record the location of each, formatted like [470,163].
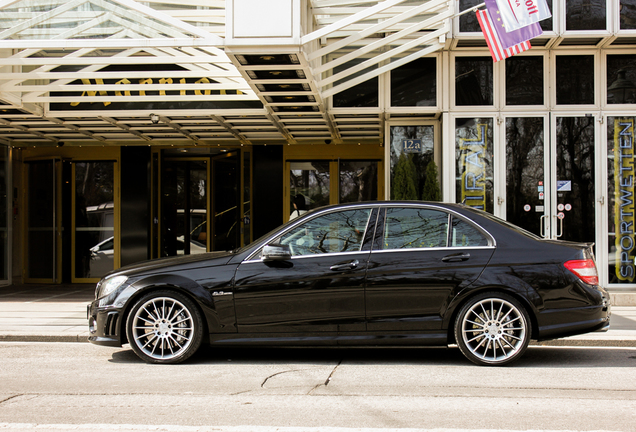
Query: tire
[164,327]
[492,329]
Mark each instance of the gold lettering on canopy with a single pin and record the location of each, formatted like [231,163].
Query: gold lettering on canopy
[624,197]
[473,179]
[151,85]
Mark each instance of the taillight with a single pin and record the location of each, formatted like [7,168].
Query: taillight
[584,269]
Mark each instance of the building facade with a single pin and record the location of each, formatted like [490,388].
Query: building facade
[134,130]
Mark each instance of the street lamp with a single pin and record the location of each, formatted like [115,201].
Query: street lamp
[621,90]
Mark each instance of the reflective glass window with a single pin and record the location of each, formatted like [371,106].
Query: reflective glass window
[468,21]
[627,11]
[309,186]
[412,151]
[4,208]
[524,80]
[473,81]
[408,228]
[620,192]
[94,219]
[585,15]
[621,79]
[464,234]
[575,79]
[414,84]
[474,162]
[330,233]
[358,181]
[362,95]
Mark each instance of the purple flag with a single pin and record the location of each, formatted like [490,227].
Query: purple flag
[510,39]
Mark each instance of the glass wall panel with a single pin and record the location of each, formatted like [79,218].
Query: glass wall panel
[94,219]
[247,197]
[411,152]
[358,181]
[621,190]
[226,202]
[575,79]
[309,185]
[41,220]
[474,162]
[4,211]
[627,14]
[546,24]
[524,80]
[525,172]
[473,81]
[585,15]
[468,21]
[621,79]
[575,178]
[414,84]
[360,96]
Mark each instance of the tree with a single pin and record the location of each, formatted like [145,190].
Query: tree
[404,181]
[431,190]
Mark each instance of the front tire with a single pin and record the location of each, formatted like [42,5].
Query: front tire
[492,329]
[164,327]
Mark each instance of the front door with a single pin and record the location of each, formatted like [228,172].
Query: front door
[550,183]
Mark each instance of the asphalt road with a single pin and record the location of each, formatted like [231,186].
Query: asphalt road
[60,386]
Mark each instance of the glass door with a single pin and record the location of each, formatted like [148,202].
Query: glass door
[43,222]
[184,205]
[94,220]
[526,181]
[573,199]
[550,184]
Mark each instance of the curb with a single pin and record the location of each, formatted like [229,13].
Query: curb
[44,338]
[615,343]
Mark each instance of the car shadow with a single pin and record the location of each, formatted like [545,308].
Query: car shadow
[534,357]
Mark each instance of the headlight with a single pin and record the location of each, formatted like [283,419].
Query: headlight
[107,286]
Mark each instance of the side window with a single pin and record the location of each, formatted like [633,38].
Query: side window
[407,228]
[464,234]
[331,233]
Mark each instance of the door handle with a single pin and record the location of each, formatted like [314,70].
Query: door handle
[456,257]
[345,266]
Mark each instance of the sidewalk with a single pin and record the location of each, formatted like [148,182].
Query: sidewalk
[57,313]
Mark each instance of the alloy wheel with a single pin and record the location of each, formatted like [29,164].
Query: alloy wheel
[492,330]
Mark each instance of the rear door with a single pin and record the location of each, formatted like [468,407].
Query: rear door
[422,256]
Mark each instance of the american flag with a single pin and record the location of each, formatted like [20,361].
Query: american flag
[497,51]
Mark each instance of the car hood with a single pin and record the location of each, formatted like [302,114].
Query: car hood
[208,259]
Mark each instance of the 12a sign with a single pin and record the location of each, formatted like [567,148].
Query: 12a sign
[412,146]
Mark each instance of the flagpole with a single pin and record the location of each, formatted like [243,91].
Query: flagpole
[472,9]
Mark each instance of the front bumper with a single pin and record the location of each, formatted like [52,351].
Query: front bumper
[104,325]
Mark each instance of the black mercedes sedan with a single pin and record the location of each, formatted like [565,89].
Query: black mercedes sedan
[380,274]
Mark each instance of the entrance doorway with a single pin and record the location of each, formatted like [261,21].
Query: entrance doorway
[550,187]
[542,179]
[204,203]
[70,220]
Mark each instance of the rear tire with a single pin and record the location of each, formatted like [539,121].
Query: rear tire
[492,329]
[164,327]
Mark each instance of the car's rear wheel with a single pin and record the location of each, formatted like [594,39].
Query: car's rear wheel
[492,329]
[164,327]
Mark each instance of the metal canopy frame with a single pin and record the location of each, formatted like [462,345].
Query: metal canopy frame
[91,72]
[65,65]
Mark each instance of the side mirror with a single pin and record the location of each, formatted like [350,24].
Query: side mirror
[276,252]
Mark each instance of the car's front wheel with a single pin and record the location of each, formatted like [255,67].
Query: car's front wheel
[492,329]
[164,327]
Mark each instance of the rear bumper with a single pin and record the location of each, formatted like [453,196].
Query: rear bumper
[574,321]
